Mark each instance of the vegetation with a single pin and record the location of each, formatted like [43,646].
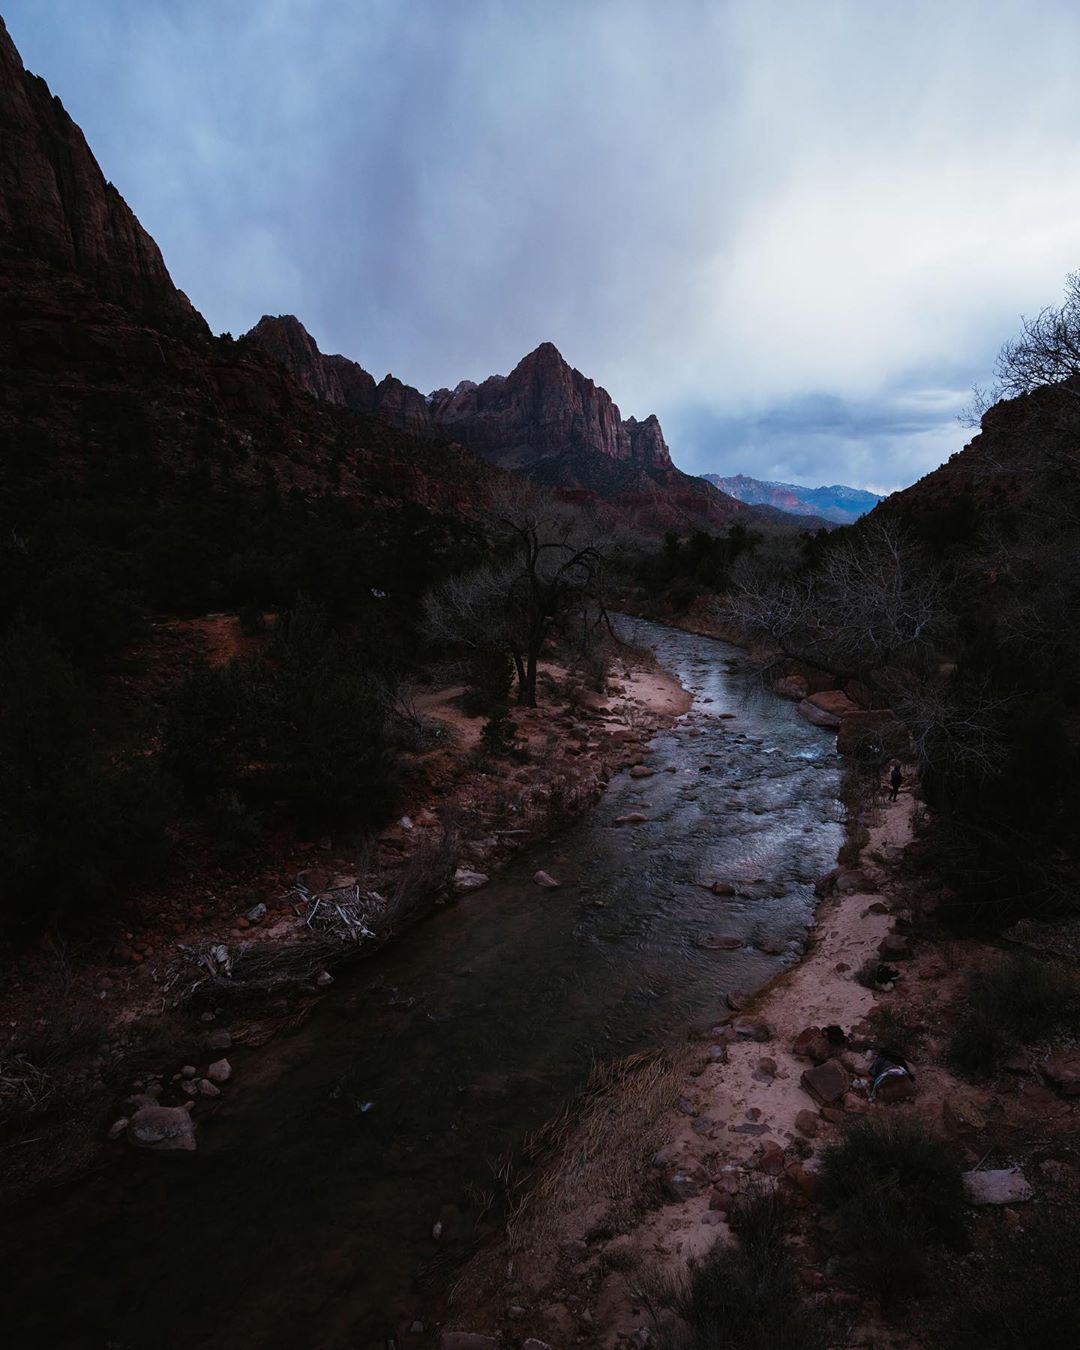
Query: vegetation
[98,766]
[897,1196]
[1018,999]
[1018,1291]
[746,1295]
[547,577]
[683,570]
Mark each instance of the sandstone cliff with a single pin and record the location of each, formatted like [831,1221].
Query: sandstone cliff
[56,206]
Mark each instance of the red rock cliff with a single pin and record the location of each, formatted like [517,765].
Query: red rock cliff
[56,206]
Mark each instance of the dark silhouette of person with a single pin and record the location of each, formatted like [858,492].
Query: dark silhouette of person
[895,779]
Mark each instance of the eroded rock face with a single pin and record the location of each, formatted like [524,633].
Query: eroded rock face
[542,410]
[56,204]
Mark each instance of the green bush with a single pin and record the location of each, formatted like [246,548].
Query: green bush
[897,1192]
[746,1295]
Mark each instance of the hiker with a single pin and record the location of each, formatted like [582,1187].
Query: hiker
[895,779]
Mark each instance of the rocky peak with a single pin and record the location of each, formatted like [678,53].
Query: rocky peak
[57,208]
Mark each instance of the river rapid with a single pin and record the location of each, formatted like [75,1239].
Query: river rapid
[306,1216]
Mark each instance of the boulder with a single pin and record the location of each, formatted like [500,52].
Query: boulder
[162,1129]
[808,1123]
[1005,1186]
[771,1159]
[895,947]
[813,1044]
[795,687]
[826,1082]
[1063,1071]
[834,702]
[818,716]
[961,1114]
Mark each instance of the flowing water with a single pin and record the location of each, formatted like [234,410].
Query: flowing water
[306,1215]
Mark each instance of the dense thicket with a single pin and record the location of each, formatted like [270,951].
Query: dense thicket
[95,767]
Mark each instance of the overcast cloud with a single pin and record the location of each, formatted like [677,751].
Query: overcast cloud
[796,231]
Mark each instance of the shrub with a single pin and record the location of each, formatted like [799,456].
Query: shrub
[1020,998]
[897,1192]
[1021,1291]
[746,1295]
[77,817]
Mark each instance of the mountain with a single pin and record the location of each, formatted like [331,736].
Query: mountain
[545,419]
[56,206]
[840,504]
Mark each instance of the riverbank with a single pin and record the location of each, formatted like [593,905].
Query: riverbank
[242,950]
[634,1188]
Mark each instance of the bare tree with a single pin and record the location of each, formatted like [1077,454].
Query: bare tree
[874,602]
[548,570]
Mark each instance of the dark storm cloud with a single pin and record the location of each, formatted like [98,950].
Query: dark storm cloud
[735,215]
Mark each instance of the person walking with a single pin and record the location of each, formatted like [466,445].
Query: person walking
[895,779]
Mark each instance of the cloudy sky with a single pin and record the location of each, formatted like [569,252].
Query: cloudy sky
[797,231]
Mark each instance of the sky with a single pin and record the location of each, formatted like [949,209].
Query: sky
[796,230]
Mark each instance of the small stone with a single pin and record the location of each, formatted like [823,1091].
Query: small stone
[896,1088]
[533,1344]
[515,1312]
[117,1128]
[720,942]
[218,1040]
[771,1159]
[256,913]
[188,1071]
[634,818]
[1004,1186]
[723,888]
[641,771]
[466,1340]
[544,879]
[208,1089]
[323,979]
[765,1071]
[686,1107]
[220,1071]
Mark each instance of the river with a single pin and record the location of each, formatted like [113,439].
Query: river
[306,1216]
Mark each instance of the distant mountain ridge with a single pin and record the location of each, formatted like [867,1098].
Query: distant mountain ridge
[545,419]
[837,503]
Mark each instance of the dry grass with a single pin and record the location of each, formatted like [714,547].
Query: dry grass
[589,1159]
